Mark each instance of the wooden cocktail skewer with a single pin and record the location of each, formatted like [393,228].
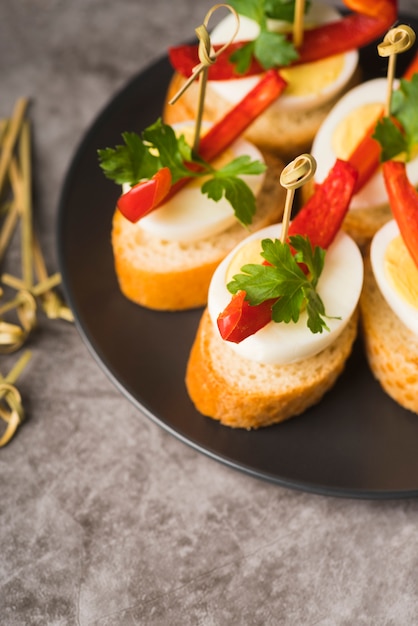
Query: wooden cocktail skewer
[298,23]
[26,206]
[397,40]
[295,174]
[207,56]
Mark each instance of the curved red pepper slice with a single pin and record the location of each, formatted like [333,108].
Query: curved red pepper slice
[240,320]
[320,219]
[403,200]
[370,20]
[144,197]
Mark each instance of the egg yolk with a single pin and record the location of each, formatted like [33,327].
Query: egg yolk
[312,78]
[248,253]
[402,271]
[350,131]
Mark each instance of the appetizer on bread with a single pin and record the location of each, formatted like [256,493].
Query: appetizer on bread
[389,313]
[389,302]
[280,342]
[348,133]
[167,236]
[317,69]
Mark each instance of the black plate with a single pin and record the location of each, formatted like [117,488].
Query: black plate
[356,443]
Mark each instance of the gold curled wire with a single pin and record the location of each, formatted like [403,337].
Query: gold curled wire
[12,336]
[294,175]
[13,415]
[207,56]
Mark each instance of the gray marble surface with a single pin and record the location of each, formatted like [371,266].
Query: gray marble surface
[105,518]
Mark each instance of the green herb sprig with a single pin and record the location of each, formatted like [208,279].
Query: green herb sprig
[394,139]
[271,49]
[284,280]
[141,156]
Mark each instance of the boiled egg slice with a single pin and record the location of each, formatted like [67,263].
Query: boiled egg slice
[309,85]
[278,343]
[344,128]
[190,215]
[396,274]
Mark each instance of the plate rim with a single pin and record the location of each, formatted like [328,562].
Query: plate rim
[304,486]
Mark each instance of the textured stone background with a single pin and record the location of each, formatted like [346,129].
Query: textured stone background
[106,519]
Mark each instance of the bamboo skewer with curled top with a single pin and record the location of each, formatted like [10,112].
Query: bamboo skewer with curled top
[207,57]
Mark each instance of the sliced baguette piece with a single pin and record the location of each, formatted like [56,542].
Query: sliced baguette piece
[174,276]
[285,132]
[244,394]
[391,348]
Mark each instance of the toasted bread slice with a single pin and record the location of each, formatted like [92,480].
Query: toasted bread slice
[244,394]
[391,348]
[173,276]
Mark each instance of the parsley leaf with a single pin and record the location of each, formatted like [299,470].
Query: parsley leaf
[172,150]
[236,191]
[158,146]
[242,166]
[129,163]
[391,139]
[243,57]
[282,9]
[254,9]
[394,140]
[271,49]
[227,182]
[316,311]
[284,280]
[404,108]
[314,259]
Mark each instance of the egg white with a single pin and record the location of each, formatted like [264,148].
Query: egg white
[407,313]
[278,343]
[190,215]
[235,89]
[373,193]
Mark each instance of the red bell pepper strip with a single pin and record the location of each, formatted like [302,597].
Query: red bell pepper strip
[412,68]
[366,156]
[370,20]
[240,320]
[141,199]
[185,57]
[403,200]
[237,120]
[320,219]
[231,126]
